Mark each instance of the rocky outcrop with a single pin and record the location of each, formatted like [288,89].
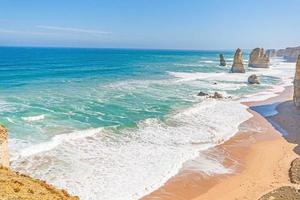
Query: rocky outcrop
[297,84]
[282,193]
[217,95]
[202,94]
[253,79]
[294,172]
[222,60]
[258,58]
[238,66]
[4,156]
[271,53]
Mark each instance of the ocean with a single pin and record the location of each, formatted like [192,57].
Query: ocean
[115,124]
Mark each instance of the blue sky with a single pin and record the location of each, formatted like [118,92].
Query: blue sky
[172,24]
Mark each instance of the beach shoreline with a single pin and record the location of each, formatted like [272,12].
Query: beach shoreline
[255,170]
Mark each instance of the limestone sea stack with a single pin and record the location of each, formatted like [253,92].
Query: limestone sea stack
[297,84]
[222,60]
[238,66]
[258,58]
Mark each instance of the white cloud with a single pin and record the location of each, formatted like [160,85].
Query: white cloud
[24,32]
[74,30]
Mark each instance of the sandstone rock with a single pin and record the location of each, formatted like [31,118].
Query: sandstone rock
[202,94]
[294,172]
[222,60]
[258,58]
[238,66]
[282,193]
[271,53]
[297,84]
[253,79]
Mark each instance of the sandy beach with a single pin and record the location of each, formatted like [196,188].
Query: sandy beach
[258,155]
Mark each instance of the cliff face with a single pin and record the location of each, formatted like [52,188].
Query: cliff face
[297,84]
[258,58]
[222,60]
[238,66]
[290,54]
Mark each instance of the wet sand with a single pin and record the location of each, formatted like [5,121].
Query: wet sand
[258,154]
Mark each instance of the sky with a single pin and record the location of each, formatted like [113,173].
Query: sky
[154,24]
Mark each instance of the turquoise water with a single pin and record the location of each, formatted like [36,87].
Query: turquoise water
[89,119]
[83,88]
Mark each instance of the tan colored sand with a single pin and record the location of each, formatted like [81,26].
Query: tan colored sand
[14,186]
[260,155]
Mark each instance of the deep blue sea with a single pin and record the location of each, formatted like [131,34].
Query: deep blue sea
[117,123]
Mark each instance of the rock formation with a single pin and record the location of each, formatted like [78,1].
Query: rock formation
[202,94]
[290,54]
[271,53]
[282,193]
[294,172]
[217,95]
[253,79]
[3,147]
[258,58]
[222,60]
[238,66]
[297,84]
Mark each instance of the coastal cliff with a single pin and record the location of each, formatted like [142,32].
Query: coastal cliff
[18,186]
[258,59]
[290,54]
[238,66]
[297,84]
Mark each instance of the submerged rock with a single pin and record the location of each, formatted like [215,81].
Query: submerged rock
[222,60]
[238,66]
[297,84]
[294,172]
[202,94]
[258,58]
[253,79]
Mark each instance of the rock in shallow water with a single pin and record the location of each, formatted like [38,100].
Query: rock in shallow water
[238,66]
[201,94]
[253,79]
[222,60]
